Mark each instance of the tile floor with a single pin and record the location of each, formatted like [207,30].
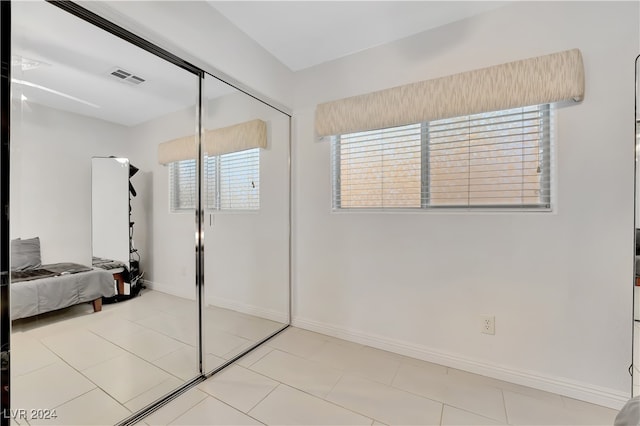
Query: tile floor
[305,378]
[98,368]
[67,361]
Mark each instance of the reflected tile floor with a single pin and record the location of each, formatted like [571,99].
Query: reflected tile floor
[98,368]
[305,378]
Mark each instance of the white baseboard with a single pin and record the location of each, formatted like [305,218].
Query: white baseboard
[223,303]
[579,390]
[245,308]
[172,290]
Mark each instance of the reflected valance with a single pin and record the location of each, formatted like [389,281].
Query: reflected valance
[553,78]
[239,137]
[177,150]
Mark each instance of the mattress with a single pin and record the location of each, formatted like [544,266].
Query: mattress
[69,286]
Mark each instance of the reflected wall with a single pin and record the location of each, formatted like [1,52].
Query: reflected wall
[245,181]
[79,93]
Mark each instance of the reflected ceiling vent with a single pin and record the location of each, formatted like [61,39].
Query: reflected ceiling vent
[123,75]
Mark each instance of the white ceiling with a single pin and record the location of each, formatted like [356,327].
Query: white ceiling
[75,75]
[301,34]
[298,33]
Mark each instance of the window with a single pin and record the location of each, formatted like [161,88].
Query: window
[182,185]
[499,159]
[232,182]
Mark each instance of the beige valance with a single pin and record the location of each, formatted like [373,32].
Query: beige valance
[239,137]
[545,79]
[177,150]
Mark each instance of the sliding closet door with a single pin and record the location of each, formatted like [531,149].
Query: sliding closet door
[245,196]
[95,342]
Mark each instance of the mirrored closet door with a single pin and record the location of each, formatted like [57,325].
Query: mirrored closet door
[245,197]
[125,165]
[103,298]
[635,369]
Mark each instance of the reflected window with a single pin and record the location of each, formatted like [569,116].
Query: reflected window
[182,185]
[232,182]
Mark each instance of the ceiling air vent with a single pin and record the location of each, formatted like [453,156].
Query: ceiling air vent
[123,75]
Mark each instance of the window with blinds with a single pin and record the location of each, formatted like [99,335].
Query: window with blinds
[499,159]
[231,182]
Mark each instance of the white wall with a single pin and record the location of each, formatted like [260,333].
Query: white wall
[51,154]
[559,284]
[165,241]
[247,253]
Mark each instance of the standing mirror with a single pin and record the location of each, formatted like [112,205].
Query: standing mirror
[112,226]
[110,209]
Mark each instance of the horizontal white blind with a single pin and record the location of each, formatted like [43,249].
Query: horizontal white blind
[233,181]
[379,168]
[182,185]
[499,159]
[491,159]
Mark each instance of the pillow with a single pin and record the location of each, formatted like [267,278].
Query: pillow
[25,254]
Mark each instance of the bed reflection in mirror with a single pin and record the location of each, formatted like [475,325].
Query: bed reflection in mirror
[81,344]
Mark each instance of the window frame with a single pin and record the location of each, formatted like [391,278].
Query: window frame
[547,157]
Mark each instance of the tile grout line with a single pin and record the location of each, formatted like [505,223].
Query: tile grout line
[316,396]
[343,373]
[234,408]
[173,400]
[393,379]
[504,404]
[263,398]
[250,365]
[74,369]
[443,402]
[127,353]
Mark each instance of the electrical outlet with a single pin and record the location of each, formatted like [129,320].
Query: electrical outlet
[488,324]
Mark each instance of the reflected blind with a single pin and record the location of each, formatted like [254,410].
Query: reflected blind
[232,181]
[497,159]
[182,185]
